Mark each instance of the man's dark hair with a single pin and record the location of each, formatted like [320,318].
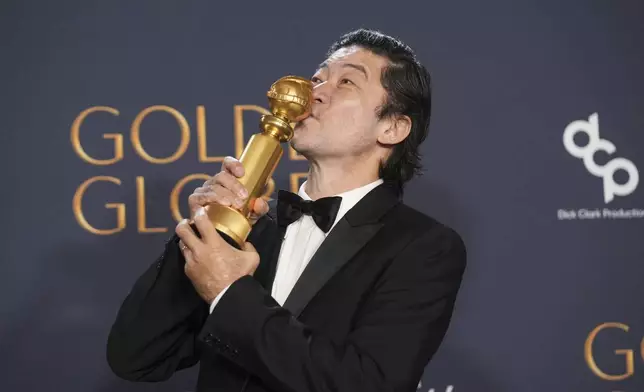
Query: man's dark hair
[407,84]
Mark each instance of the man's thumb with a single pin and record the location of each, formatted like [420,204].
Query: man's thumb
[248,247]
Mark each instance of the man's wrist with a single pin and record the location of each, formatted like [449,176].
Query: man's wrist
[218,298]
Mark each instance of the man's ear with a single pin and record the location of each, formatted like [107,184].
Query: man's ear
[397,129]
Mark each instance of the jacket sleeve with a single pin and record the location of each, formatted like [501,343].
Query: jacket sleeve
[155,330]
[395,333]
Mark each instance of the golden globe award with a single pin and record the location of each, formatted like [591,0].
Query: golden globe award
[289,102]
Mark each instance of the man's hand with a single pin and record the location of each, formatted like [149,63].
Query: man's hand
[211,263]
[224,188]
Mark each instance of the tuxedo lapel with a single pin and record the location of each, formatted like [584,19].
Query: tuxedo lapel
[349,235]
[336,250]
[275,254]
[271,237]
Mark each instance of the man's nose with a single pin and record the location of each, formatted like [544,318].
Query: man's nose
[321,92]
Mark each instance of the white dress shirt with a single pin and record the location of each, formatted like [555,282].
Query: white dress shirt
[301,240]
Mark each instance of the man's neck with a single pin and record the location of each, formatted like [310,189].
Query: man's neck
[326,180]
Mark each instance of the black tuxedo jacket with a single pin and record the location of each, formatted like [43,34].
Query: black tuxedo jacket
[367,314]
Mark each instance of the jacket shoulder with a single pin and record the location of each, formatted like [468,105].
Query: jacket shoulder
[406,215]
[423,229]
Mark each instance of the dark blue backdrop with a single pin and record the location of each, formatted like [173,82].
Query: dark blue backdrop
[545,271]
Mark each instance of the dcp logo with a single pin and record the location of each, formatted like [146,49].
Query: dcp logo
[587,153]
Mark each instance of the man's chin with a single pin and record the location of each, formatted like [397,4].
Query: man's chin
[299,147]
[300,126]
[300,132]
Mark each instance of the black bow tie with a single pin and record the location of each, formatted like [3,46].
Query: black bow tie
[290,207]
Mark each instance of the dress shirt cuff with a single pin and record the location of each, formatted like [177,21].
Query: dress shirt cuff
[214,302]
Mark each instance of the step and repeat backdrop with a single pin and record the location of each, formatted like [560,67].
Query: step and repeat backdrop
[113,112]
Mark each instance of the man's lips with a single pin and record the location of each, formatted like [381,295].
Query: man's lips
[313,114]
[308,117]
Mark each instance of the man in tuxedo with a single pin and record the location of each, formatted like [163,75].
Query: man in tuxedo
[340,287]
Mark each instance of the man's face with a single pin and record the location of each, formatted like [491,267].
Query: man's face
[346,96]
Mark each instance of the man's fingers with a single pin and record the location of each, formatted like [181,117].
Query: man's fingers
[205,227]
[233,166]
[217,194]
[187,254]
[252,257]
[260,207]
[227,181]
[196,201]
[203,189]
[248,247]
[187,235]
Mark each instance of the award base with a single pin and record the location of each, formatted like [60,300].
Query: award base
[231,224]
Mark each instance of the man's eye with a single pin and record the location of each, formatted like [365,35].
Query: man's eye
[316,80]
[346,81]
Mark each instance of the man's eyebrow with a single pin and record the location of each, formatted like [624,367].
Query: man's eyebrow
[358,67]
